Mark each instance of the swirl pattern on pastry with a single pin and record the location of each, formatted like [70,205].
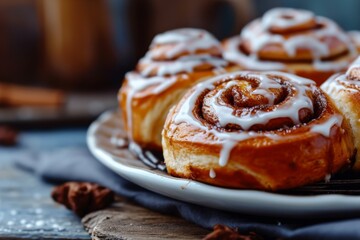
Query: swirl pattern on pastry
[267,130]
[176,60]
[292,40]
[181,51]
[344,89]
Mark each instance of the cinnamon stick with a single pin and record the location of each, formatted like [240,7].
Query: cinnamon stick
[17,96]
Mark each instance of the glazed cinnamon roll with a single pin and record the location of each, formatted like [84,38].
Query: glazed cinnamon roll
[344,89]
[254,130]
[294,41]
[176,60]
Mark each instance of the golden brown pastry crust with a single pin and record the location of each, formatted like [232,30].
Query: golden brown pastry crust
[344,90]
[149,109]
[176,61]
[306,45]
[280,158]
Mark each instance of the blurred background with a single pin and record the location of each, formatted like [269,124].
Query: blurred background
[62,61]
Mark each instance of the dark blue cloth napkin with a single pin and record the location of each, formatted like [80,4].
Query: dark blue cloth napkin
[77,164]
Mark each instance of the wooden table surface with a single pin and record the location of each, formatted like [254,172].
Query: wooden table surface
[27,211]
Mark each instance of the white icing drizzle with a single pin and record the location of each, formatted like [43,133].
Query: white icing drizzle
[257,35]
[290,109]
[264,87]
[167,72]
[318,48]
[227,146]
[137,84]
[118,142]
[330,65]
[355,64]
[184,40]
[331,84]
[212,173]
[164,85]
[185,64]
[229,139]
[339,82]
[233,54]
[278,17]
[218,71]
[135,148]
[325,128]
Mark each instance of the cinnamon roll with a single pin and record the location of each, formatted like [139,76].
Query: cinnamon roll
[294,41]
[252,130]
[176,60]
[344,90]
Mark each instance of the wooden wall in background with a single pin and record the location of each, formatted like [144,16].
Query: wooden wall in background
[223,18]
[19,41]
[77,41]
[90,44]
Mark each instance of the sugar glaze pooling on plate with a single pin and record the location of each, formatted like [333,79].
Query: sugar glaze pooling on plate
[241,201]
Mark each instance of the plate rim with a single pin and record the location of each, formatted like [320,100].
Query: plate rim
[281,204]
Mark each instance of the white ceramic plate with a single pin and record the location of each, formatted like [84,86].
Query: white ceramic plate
[108,127]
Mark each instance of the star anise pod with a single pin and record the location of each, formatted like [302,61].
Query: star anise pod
[83,197]
[8,136]
[222,232]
